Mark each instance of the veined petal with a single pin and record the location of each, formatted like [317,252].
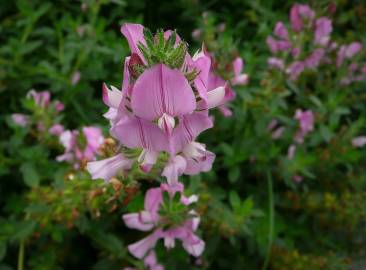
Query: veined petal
[162,90]
[134,132]
[190,126]
[195,166]
[134,33]
[109,167]
[134,221]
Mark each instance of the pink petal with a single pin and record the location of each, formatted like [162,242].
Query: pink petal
[189,127]
[194,246]
[238,66]
[174,169]
[153,198]
[140,248]
[56,129]
[109,167]
[134,33]
[134,132]
[134,221]
[204,164]
[94,137]
[147,159]
[162,90]
[225,111]
[20,119]
[111,97]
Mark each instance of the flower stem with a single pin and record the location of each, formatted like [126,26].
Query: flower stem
[271,221]
[21,255]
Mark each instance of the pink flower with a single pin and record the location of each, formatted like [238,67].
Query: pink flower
[109,167]
[313,60]
[59,106]
[20,119]
[323,28]
[295,69]
[281,31]
[300,14]
[306,121]
[278,45]
[75,78]
[80,147]
[276,63]
[353,49]
[150,219]
[56,129]
[42,99]
[359,141]
[239,78]
[347,52]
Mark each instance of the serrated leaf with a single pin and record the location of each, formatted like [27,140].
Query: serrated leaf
[30,175]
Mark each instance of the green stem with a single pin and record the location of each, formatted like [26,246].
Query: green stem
[21,255]
[271,221]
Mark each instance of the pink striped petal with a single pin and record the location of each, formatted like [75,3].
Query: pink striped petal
[162,90]
[134,132]
[190,126]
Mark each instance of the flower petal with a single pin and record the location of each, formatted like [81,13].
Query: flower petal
[153,198]
[134,221]
[109,167]
[134,132]
[174,169]
[200,165]
[140,248]
[134,33]
[189,127]
[162,90]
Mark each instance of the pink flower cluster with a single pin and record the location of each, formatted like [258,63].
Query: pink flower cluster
[42,107]
[161,111]
[80,147]
[156,117]
[306,125]
[165,227]
[292,55]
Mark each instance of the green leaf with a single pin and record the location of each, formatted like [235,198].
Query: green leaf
[24,229]
[234,174]
[2,250]
[30,175]
[247,207]
[234,199]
